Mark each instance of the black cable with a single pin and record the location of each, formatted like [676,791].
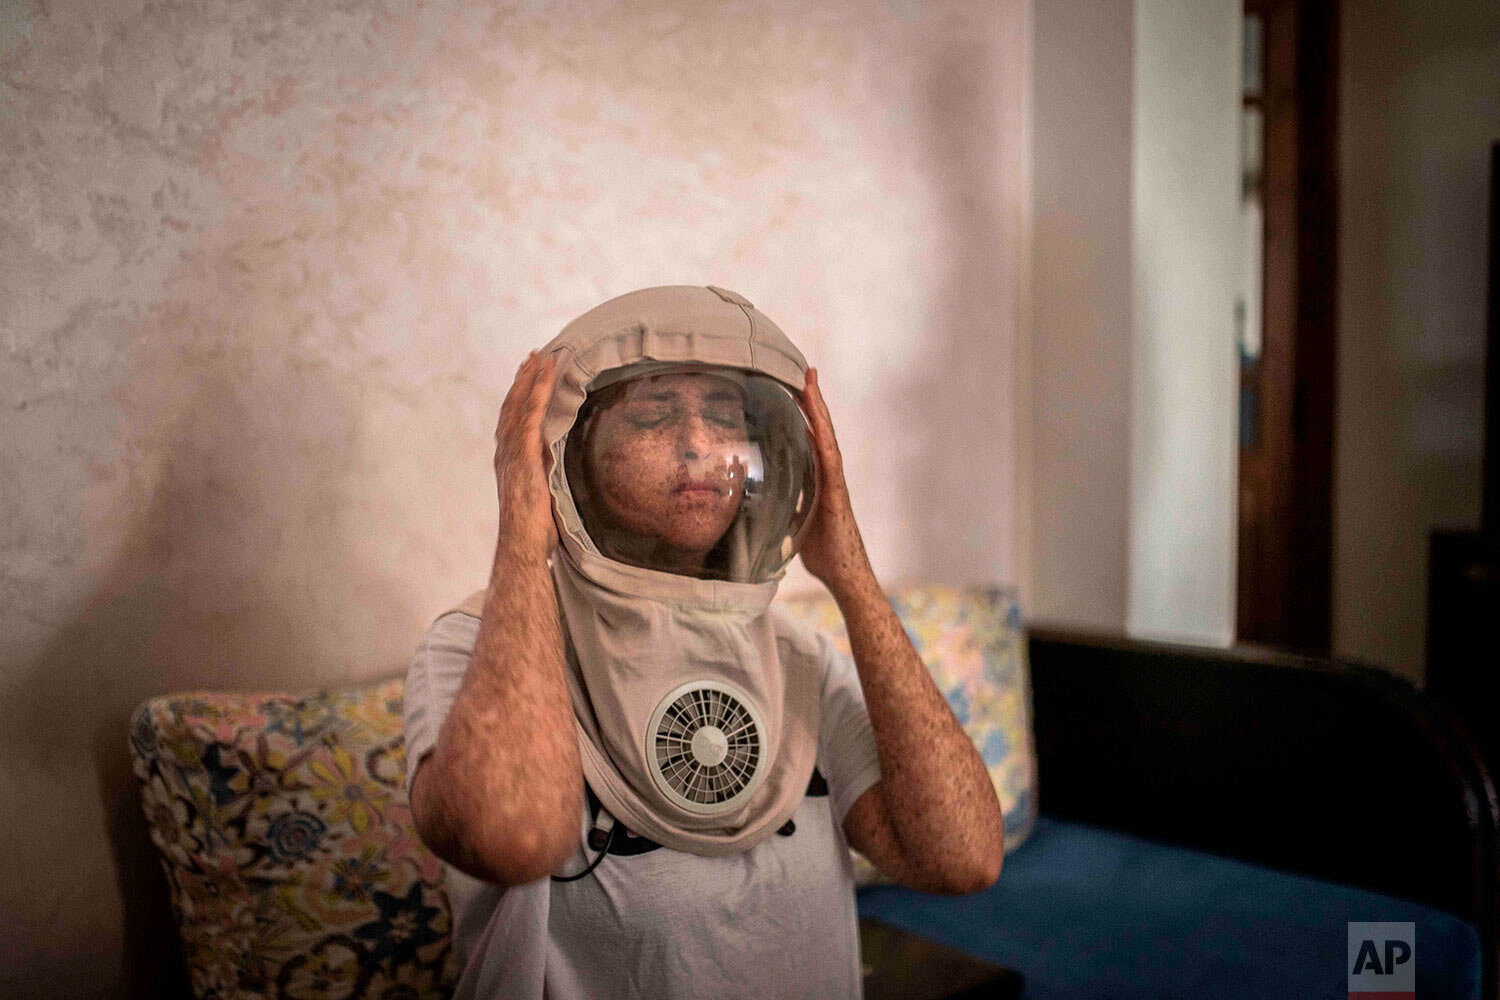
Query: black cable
[593,864]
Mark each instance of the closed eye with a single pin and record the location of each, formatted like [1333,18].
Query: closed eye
[646,421]
[732,419]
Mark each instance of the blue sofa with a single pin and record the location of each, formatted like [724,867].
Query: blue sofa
[1212,820]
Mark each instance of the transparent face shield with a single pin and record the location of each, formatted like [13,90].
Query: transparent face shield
[698,470]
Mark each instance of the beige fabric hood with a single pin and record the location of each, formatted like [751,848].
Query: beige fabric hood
[659,660]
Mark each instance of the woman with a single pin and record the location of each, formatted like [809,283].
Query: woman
[635,678]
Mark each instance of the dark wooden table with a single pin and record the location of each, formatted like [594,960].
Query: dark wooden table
[899,965]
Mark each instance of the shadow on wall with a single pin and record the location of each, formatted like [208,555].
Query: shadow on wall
[953,481]
[186,605]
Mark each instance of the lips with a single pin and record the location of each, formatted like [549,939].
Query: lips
[701,488]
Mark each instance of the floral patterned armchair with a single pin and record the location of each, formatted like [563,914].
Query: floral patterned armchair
[288,845]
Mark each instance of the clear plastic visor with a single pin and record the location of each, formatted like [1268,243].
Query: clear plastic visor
[698,470]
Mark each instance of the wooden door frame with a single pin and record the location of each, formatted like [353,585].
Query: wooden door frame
[1285,574]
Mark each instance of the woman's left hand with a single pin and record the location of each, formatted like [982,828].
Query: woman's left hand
[832,550]
[932,821]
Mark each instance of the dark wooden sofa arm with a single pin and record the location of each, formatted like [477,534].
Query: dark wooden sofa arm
[1338,771]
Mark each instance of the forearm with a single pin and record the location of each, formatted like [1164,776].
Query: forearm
[506,773]
[938,797]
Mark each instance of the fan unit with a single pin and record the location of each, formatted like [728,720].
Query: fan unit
[707,747]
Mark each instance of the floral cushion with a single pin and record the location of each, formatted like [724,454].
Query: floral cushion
[972,640]
[287,840]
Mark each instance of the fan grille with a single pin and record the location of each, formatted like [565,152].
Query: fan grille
[708,746]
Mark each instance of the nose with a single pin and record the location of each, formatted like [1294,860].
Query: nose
[695,438]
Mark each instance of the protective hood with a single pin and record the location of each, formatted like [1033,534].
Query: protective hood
[692,730]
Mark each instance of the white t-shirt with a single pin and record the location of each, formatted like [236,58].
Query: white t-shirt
[778,920]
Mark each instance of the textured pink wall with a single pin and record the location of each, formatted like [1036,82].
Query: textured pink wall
[266,268]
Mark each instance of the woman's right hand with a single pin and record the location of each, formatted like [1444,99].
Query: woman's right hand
[526,526]
[499,795]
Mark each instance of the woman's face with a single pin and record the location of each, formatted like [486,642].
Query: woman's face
[667,461]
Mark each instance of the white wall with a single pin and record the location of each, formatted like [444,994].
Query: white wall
[1081,288]
[1419,108]
[266,271]
[1134,253]
[1185,243]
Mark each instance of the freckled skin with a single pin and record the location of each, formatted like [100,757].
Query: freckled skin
[933,820]
[666,462]
[501,808]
